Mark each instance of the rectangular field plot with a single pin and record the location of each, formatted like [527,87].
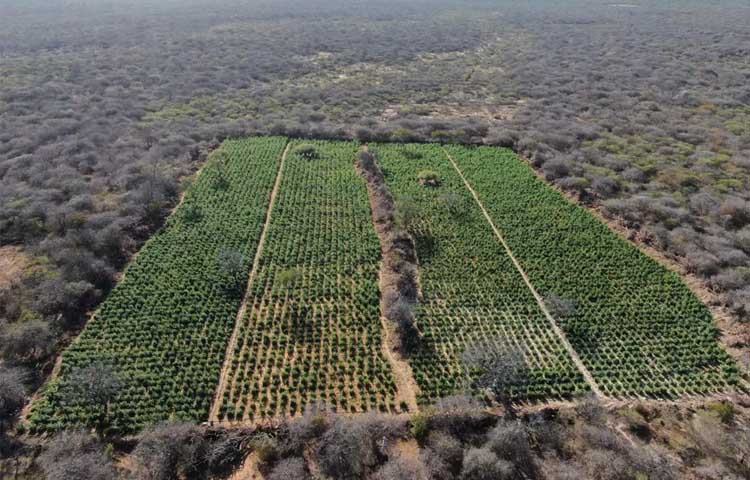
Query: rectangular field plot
[312,330]
[639,330]
[164,329]
[472,292]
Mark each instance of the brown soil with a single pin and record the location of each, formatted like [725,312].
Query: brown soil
[13,262]
[249,470]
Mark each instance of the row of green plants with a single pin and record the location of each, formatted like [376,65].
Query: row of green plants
[164,329]
[636,325]
[312,330]
[471,291]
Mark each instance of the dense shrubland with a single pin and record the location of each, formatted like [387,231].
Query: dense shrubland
[454,439]
[106,108]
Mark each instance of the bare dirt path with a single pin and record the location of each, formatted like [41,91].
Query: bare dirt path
[555,327]
[406,386]
[223,379]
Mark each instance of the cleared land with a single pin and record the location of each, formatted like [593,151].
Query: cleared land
[312,330]
[637,327]
[309,329]
[165,327]
[471,290]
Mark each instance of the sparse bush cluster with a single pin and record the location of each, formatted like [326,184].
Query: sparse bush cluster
[399,277]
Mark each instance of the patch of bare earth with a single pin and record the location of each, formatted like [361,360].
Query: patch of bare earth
[249,470]
[454,110]
[13,262]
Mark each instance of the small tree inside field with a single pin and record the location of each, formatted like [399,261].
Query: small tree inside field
[288,276]
[454,204]
[495,367]
[220,178]
[560,307]
[307,150]
[192,213]
[231,266]
[428,178]
[407,213]
[95,385]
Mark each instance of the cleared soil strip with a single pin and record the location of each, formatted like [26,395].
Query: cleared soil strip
[225,369]
[406,385]
[555,327]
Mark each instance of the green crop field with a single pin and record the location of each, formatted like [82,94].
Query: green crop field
[472,292]
[637,327]
[165,327]
[183,335]
[312,331]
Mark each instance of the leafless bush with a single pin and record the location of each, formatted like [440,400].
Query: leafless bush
[461,416]
[169,450]
[510,441]
[315,420]
[400,468]
[483,464]
[347,449]
[289,469]
[591,410]
[447,448]
[76,456]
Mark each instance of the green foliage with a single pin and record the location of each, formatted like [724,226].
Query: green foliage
[166,325]
[636,326]
[471,290]
[306,150]
[723,410]
[265,446]
[428,178]
[313,334]
[455,204]
[191,213]
[287,276]
[420,425]
[407,212]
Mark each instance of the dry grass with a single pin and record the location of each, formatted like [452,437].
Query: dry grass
[13,262]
